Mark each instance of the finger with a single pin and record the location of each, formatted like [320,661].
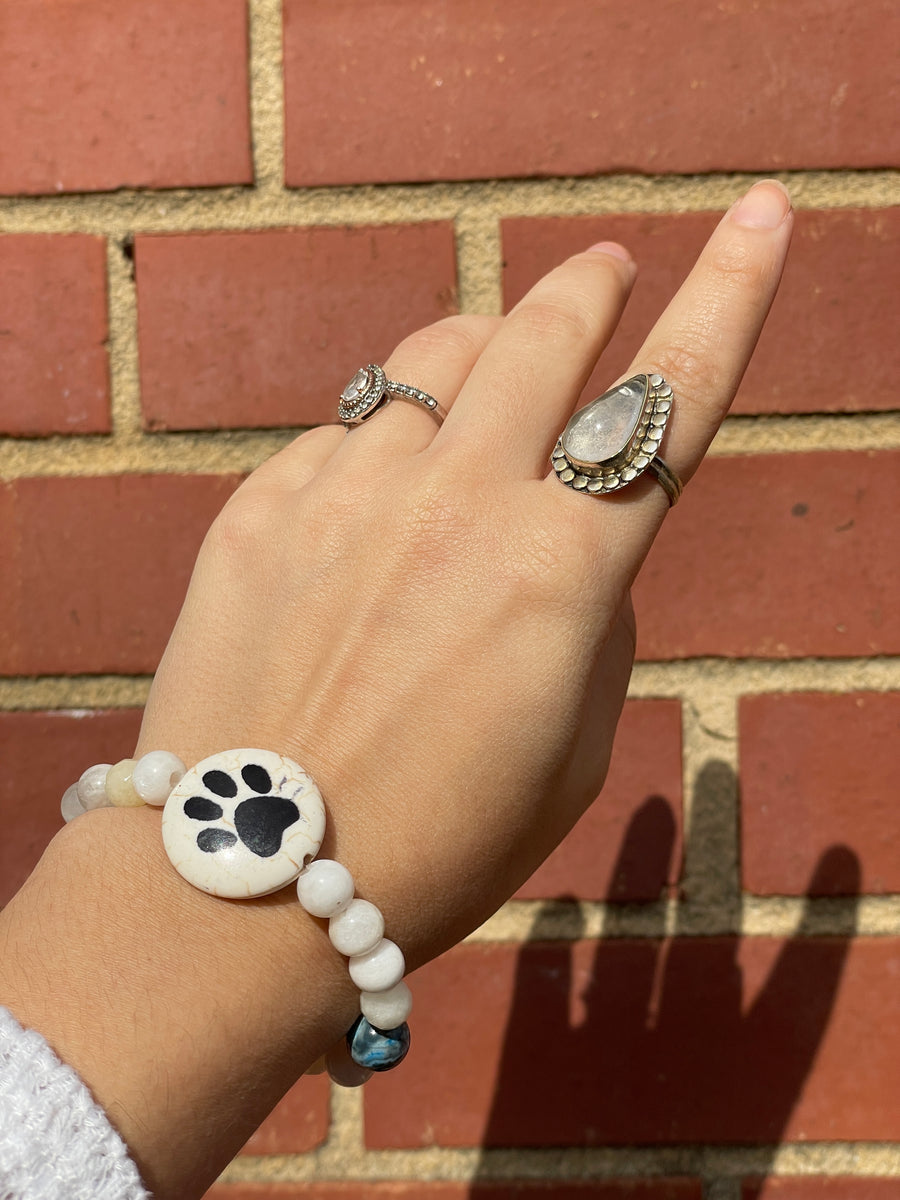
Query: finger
[703,341]
[436,360]
[529,378]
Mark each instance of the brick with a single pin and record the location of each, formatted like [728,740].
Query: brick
[819,771]
[54,373]
[95,569]
[811,1187]
[106,94]
[627,846]
[298,1123]
[264,329]
[695,1040]
[42,753]
[531,87]
[775,556]
[827,345]
[540,1189]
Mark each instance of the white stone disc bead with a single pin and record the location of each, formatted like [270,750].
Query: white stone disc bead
[91,787]
[357,928]
[155,774]
[71,806]
[325,888]
[387,1010]
[379,969]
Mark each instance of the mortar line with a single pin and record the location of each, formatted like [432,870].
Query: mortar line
[466,1164]
[271,206]
[212,452]
[675,680]
[266,98]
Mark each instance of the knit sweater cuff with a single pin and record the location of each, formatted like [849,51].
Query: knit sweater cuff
[56,1143]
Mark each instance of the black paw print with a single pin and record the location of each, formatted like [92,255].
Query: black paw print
[260,821]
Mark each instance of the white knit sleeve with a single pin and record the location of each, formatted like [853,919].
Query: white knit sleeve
[55,1142]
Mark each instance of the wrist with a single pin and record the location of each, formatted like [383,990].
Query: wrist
[252,992]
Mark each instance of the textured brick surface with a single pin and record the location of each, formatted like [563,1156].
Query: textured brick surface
[298,1123]
[627,846]
[612,1189]
[547,87]
[105,94]
[42,753]
[264,329]
[827,345]
[95,569]
[818,1188]
[697,1040]
[54,376]
[816,771]
[775,556]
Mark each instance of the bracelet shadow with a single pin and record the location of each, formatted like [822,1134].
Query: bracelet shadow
[652,1040]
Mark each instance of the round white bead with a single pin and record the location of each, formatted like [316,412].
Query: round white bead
[379,969]
[91,787]
[155,774]
[71,806]
[357,928]
[325,888]
[387,1010]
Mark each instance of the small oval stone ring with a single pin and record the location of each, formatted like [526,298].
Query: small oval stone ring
[611,441]
[370,390]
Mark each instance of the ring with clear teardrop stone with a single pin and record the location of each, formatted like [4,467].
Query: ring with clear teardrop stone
[611,441]
[370,390]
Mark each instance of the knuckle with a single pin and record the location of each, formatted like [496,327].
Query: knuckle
[557,320]
[692,368]
[458,339]
[245,522]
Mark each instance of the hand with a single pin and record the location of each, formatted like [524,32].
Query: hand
[437,630]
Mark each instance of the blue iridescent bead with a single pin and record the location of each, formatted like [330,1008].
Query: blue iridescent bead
[377,1049]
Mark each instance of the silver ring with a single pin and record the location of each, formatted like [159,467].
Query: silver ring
[370,390]
[611,441]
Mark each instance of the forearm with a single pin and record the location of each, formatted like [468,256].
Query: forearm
[186,1069]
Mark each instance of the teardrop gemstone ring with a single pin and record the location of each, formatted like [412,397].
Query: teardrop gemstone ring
[370,390]
[611,441]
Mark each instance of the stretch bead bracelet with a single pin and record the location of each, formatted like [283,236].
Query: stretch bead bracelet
[261,820]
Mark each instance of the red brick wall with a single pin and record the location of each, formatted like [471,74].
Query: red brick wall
[209,214]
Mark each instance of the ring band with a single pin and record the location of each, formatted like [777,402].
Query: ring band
[611,441]
[370,390]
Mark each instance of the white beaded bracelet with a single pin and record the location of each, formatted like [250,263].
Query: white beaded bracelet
[245,823]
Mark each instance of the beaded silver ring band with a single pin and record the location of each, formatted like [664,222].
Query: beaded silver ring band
[246,823]
[370,390]
[611,441]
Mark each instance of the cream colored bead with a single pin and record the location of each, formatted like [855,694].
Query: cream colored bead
[71,806]
[356,929]
[119,785]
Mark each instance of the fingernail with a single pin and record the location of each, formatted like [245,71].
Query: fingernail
[764,207]
[613,249]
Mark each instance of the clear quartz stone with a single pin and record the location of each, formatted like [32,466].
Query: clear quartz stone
[603,428]
[356,386]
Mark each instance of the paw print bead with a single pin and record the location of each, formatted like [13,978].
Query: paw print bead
[243,823]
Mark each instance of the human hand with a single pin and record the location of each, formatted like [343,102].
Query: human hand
[437,630]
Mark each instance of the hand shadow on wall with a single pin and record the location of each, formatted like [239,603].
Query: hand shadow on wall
[649,1041]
